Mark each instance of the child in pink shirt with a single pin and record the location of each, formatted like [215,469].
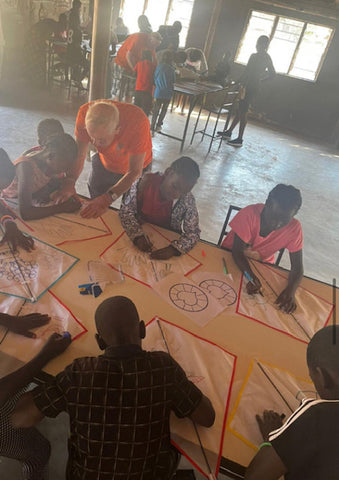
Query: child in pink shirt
[260,230]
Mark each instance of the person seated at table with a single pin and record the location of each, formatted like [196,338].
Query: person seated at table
[306,446]
[145,386]
[165,200]
[35,169]
[28,446]
[196,61]
[260,230]
[46,128]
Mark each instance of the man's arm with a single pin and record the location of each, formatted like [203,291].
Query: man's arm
[204,414]
[130,60]
[10,384]
[99,205]
[27,210]
[266,465]
[286,299]
[135,168]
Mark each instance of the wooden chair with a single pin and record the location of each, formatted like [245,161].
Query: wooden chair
[224,232]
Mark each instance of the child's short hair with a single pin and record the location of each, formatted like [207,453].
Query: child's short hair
[167,56]
[180,57]
[194,55]
[286,196]
[186,167]
[147,55]
[47,128]
[64,146]
[323,351]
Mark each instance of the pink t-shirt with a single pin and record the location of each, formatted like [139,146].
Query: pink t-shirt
[246,224]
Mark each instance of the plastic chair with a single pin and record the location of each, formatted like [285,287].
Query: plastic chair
[223,233]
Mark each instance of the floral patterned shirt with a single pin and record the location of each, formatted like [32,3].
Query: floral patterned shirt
[184,219]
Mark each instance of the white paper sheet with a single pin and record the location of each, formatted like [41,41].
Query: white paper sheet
[190,299]
[219,285]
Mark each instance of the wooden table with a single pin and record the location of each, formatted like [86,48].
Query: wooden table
[239,335]
[194,91]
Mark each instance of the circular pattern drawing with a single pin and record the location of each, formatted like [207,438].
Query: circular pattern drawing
[188,297]
[220,290]
[18,270]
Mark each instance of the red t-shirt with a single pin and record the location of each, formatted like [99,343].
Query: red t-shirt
[134,137]
[153,208]
[145,76]
[135,44]
[246,224]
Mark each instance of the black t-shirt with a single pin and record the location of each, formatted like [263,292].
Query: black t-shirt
[308,443]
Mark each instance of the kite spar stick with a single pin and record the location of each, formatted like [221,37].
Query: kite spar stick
[275,293]
[211,475]
[155,273]
[275,388]
[79,223]
[25,283]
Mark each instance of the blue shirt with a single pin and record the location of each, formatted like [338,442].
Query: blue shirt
[164,78]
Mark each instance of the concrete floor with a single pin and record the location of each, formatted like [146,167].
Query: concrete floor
[228,176]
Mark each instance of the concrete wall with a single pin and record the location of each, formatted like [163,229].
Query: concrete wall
[306,107]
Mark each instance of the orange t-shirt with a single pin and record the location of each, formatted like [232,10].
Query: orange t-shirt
[133,138]
[135,43]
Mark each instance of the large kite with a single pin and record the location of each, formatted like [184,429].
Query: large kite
[211,368]
[29,275]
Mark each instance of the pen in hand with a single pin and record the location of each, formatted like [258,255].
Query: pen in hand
[250,279]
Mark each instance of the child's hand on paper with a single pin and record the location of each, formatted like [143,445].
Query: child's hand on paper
[268,422]
[165,253]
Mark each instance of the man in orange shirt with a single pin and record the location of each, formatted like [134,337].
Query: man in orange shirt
[121,134]
[129,54]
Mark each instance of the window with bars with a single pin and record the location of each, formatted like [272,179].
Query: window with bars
[297,48]
[159,12]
